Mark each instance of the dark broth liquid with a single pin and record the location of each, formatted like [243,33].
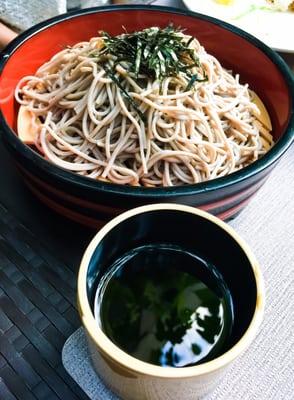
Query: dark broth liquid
[166,306]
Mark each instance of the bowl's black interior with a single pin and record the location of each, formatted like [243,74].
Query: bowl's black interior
[192,232]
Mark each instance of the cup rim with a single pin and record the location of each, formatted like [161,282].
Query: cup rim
[109,350]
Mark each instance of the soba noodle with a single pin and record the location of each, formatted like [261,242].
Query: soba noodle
[85,124]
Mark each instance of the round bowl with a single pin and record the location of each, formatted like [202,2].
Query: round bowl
[207,236]
[91,202]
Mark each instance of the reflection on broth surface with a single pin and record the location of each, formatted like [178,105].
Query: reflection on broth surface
[165,305]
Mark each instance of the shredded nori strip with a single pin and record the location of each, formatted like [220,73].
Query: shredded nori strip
[154,52]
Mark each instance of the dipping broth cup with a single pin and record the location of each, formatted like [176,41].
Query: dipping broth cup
[184,226]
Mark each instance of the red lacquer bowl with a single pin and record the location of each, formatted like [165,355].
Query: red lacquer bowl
[92,202]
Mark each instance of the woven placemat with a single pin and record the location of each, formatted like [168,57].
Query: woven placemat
[266,370]
[37,315]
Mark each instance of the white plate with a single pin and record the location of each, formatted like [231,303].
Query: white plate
[275,28]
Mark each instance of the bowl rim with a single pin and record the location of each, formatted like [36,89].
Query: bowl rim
[68,177]
[109,350]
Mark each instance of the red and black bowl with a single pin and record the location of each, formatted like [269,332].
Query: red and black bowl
[91,202]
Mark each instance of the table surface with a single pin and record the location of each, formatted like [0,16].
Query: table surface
[39,259]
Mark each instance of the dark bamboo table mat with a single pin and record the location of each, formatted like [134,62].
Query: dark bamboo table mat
[37,314]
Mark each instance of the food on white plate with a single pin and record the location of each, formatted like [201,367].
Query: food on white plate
[280,5]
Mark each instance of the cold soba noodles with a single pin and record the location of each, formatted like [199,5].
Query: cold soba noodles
[149,108]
